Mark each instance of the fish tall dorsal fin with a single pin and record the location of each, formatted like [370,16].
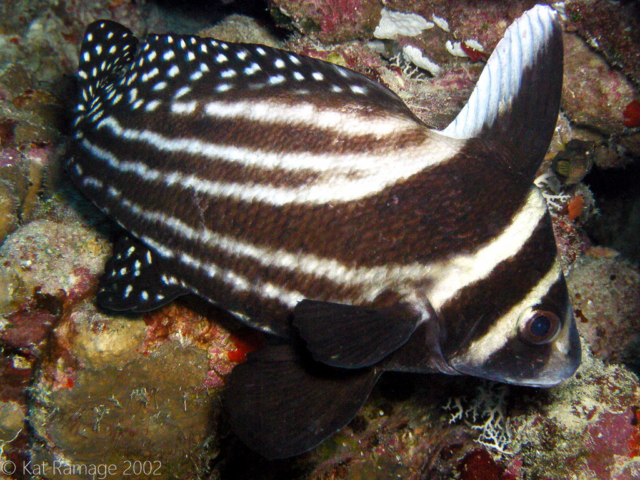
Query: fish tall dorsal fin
[349,336]
[517,97]
[281,403]
[134,279]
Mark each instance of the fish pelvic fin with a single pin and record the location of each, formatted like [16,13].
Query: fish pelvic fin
[281,403]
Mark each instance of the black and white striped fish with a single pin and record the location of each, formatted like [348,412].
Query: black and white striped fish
[294,192]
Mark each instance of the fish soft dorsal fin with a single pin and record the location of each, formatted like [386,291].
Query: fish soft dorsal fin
[282,403]
[134,279]
[517,97]
[349,336]
[106,50]
[187,74]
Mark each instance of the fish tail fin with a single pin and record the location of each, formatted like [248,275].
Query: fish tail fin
[106,48]
[282,404]
[517,98]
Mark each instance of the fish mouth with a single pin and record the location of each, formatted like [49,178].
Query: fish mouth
[541,372]
[517,361]
[545,379]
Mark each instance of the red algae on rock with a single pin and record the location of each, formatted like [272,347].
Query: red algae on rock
[593,93]
[188,322]
[473,54]
[480,465]
[27,328]
[329,20]
[245,342]
[631,114]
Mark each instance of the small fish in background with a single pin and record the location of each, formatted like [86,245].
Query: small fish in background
[573,163]
[310,202]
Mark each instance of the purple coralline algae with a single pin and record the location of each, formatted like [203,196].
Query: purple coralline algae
[612,29]
[605,292]
[328,20]
[595,95]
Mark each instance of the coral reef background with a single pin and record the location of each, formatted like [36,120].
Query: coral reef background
[91,394]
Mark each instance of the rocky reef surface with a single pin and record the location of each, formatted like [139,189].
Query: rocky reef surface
[87,393]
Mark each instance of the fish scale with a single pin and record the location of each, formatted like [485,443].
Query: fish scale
[310,202]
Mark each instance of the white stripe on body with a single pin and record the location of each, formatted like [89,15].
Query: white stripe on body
[505,329]
[448,276]
[343,177]
[309,115]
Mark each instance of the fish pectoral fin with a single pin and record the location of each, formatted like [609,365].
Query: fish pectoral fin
[134,279]
[281,403]
[350,336]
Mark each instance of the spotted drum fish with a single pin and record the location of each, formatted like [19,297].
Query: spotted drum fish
[310,202]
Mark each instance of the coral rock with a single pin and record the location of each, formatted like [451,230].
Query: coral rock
[55,258]
[11,420]
[605,293]
[21,177]
[612,28]
[239,28]
[329,20]
[585,428]
[593,93]
[101,400]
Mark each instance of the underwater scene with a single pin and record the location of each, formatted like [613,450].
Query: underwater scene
[320,239]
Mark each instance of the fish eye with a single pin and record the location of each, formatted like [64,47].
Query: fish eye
[538,327]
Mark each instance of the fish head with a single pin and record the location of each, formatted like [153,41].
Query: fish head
[538,346]
[503,307]
[516,325]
